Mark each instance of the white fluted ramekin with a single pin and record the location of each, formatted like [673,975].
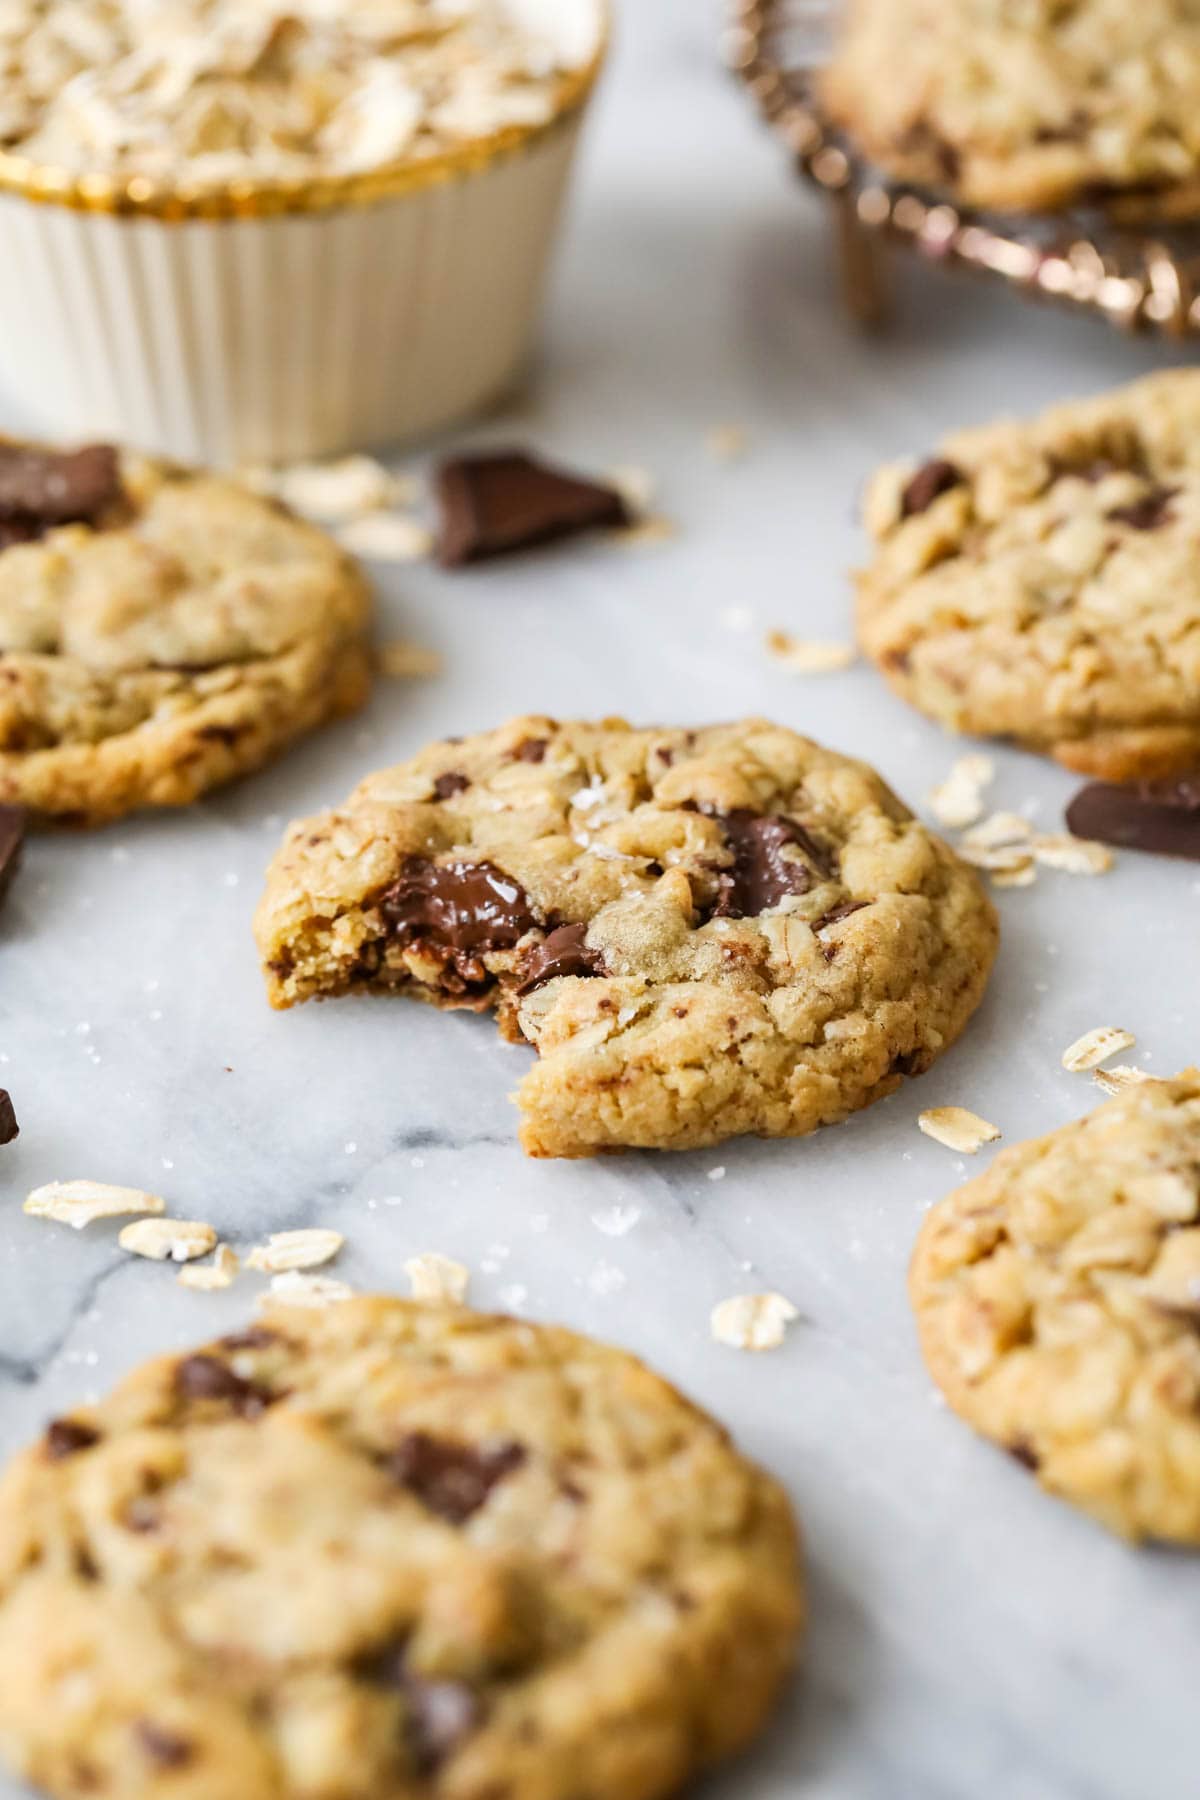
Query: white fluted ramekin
[270,323]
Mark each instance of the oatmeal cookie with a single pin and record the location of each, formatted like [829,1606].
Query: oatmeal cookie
[1039,581]
[702,933]
[160,631]
[1058,1300]
[1036,106]
[387,1551]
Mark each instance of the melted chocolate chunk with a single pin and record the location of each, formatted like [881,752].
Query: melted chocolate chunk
[564,952]
[761,875]
[164,1747]
[492,505]
[931,480]
[1148,513]
[1162,817]
[451,783]
[43,488]
[460,906]
[452,1480]
[13,821]
[67,1437]
[9,1129]
[531,749]
[202,1377]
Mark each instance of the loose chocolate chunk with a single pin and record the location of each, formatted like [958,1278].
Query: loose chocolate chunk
[1162,817]
[41,488]
[13,820]
[450,783]
[164,1747]
[1148,513]
[564,952]
[453,1480]
[9,1129]
[761,875]
[439,1716]
[461,906]
[531,749]
[931,480]
[67,1437]
[491,505]
[202,1377]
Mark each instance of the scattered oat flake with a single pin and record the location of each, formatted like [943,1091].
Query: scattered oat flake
[437,1279]
[802,656]
[407,662]
[208,1277]
[386,537]
[306,1249]
[347,488]
[1003,859]
[168,1240]
[654,529]
[752,1321]
[77,1203]
[295,1288]
[727,441]
[1020,875]
[1095,1047]
[1000,830]
[958,801]
[1074,856]
[637,487]
[1120,1077]
[957,1128]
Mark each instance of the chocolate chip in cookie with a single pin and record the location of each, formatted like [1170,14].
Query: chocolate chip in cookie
[762,875]
[43,488]
[453,1480]
[563,952]
[462,908]
[203,1377]
[12,842]
[67,1437]
[931,481]
[493,505]
[1162,817]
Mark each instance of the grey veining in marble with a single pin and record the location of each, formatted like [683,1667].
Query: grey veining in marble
[969,1637]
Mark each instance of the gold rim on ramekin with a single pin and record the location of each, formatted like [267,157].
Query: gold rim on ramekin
[137,196]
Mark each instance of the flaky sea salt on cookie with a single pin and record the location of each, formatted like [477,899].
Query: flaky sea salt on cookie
[702,933]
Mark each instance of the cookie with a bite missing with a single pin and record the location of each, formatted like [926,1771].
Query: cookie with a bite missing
[702,933]
[161,631]
[1038,580]
[1058,1302]
[390,1552]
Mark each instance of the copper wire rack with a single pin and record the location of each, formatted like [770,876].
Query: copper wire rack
[1082,259]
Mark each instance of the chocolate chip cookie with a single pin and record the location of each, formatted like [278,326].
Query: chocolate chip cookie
[1039,581]
[1058,1301]
[160,631]
[702,933]
[387,1551]
[1026,107]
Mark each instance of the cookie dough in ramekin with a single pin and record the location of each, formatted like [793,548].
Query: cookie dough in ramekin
[251,230]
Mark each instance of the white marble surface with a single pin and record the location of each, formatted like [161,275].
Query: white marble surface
[969,1637]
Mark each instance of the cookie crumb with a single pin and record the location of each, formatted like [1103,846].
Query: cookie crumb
[1095,1047]
[78,1203]
[637,487]
[306,1249]
[208,1277]
[801,656]
[752,1321]
[438,1280]
[386,537]
[957,1128]
[727,441]
[717,1173]
[958,801]
[1120,1077]
[654,528]
[294,1288]
[168,1240]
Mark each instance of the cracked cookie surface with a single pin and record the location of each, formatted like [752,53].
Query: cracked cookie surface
[160,632]
[1058,1299]
[385,1551]
[1024,107]
[1039,581]
[703,933]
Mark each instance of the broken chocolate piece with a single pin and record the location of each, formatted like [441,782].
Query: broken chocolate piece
[164,1747]
[761,875]
[43,488]
[1148,513]
[492,505]
[12,839]
[67,1437]
[202,1377]
[452,1480]
[9,1129]
[451,783]
[931,480]
[1162,817]
[563,952]
[460,906]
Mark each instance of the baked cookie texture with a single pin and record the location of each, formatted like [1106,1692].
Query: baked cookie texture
[386,1551]
[702,933]
[1058,1302]
[1020,107]
[170,632]
[1039,581]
